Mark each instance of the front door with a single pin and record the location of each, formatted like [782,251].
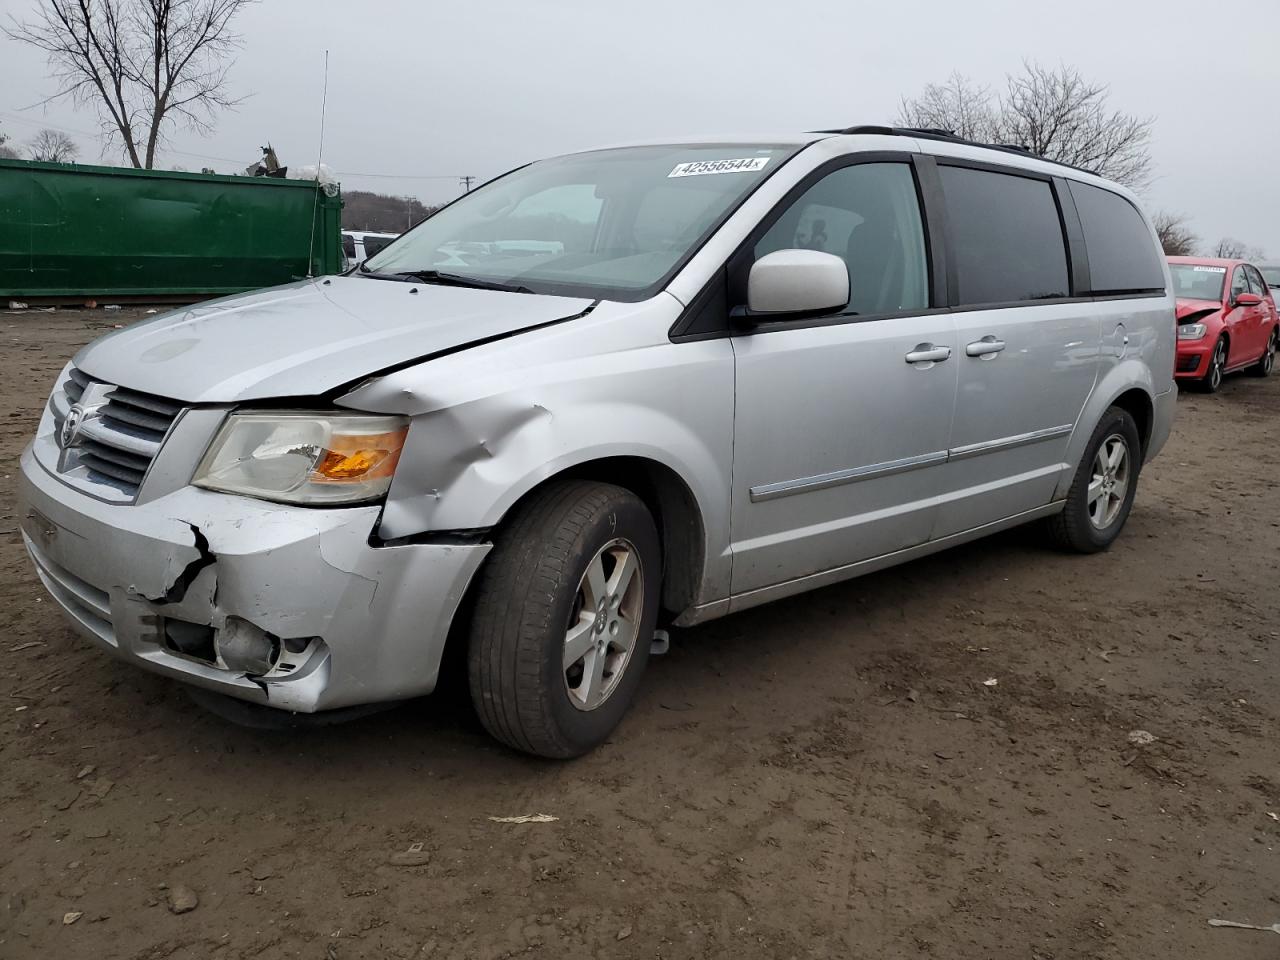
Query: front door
[1263,313]
[1243,323]
[841,423]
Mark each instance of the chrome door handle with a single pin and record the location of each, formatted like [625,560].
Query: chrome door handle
[928,353]
[986,347]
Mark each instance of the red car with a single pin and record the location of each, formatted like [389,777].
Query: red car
[1227,320]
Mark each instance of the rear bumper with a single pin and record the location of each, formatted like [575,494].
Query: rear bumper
[369,622]
[1164,409]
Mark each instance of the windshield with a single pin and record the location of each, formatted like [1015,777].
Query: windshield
[1195,281]
[1271,275]
[611,224]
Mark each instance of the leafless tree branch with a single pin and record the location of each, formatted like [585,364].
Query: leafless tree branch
[958,105]
[53,146]
[1175,234]
[1229,248]
[1054,113]
[6,152]
[141,64]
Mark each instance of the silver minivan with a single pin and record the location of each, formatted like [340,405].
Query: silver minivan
[602,395]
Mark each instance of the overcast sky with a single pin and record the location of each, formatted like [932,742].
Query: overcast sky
[429,89]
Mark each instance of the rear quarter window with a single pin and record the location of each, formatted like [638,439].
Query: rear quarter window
[1006,237]
[1122,254]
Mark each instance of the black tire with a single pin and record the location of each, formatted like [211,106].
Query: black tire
[527,594]
[1073,529]
[1268,359]
[1211,382]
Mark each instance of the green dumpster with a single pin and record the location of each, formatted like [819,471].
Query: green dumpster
[71,232]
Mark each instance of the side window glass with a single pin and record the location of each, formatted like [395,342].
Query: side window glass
[1006,236]
[868,215]
[1239,282]
[1123,257]
[1256,283]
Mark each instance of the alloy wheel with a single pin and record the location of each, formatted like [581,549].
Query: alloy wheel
[1217,365]
[1109,483]
[604,624]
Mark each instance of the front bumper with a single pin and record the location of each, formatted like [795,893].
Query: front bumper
[370,622]
[1192,359]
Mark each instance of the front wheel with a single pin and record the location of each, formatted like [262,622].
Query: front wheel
[1268,359]
[564,617]
[1103,489]
[1211,382]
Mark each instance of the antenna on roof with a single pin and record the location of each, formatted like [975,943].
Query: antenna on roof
[315,202]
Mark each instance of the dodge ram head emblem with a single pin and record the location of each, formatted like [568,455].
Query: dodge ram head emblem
[70,431]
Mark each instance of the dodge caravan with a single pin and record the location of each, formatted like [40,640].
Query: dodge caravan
[602,395]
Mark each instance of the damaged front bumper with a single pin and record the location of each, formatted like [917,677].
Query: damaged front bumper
[185,584]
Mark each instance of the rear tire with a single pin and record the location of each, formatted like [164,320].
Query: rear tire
[564,617]
[1211,382]
[1103,488]
[1267,361]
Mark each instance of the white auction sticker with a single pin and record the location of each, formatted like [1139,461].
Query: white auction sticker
[699,168]
[1211,269]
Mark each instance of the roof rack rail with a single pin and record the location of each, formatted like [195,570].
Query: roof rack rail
[949,136]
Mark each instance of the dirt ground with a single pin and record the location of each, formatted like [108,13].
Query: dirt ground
[828,776]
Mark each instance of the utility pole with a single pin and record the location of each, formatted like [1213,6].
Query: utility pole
[466,183]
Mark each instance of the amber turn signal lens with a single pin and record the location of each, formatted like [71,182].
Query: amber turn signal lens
[359,457]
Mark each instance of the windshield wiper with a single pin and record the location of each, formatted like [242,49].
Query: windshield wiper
[447,279]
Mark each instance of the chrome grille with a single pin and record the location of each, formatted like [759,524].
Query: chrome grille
[119,436]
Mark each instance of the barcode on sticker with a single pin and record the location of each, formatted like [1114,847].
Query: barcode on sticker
[700,168]
[1211,269]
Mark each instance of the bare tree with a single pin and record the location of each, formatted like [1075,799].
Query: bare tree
[1175,234]
[1229,248]
[1056,114]
[53,146]
[142,64]
[958,106]
[1059,115]
[6,152]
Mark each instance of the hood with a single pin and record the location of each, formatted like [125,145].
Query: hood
[307,338]
[1188,311]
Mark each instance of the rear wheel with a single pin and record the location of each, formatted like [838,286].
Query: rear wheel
[564,618]
[1268,359]
[1211,382]
[1103,489]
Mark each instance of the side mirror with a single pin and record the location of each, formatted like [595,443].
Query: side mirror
[1248,300]
[797,281]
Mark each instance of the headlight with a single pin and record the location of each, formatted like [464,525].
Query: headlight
[304,458]
[1191,331]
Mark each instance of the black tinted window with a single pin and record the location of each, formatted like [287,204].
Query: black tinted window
[1122,256]
[348,246]
[1006,237]
[374,245]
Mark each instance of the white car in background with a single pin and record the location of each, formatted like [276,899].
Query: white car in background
[359,245]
